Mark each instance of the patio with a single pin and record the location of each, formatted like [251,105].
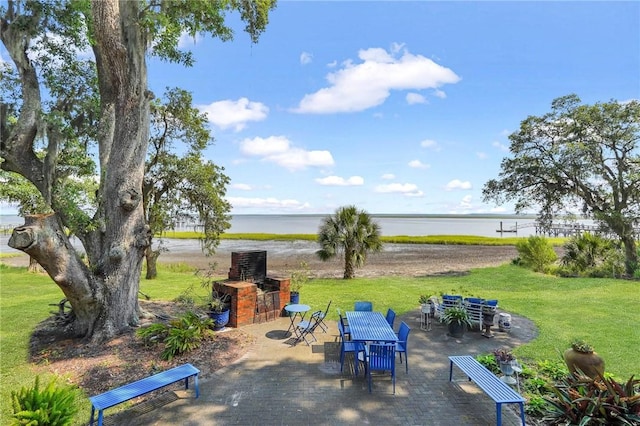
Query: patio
[276,383]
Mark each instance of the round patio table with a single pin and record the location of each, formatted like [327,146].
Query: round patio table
[296,310]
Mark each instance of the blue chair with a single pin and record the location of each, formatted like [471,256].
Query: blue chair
[363,306]
[348,346]
[382,358]
[401,344]
[306,328]
[391,316]
[323,325]
[343,326]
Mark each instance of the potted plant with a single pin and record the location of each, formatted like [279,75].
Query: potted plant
[218,309]
[299,277]
[457,319]
[424,303]
[581,357]
[507,361]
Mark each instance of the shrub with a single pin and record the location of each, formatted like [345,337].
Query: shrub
[179,336]
[53,406]
[593,256]
[581,400]
[536,253]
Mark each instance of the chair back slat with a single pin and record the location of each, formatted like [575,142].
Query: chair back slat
[382,357]
[363,306]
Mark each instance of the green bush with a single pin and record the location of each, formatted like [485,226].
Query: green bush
[179,336]
[51,406]
[536,252]
[592,256]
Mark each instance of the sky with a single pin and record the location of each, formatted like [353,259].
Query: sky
[394,106]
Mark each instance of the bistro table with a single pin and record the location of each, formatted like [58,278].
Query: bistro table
[370,327]
[296,310]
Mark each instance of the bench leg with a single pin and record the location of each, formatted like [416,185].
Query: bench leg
[450,370]
[195,382]
[521,404]
[498,414]
[93,411]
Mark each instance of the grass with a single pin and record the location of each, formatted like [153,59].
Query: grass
[398,239]
[602,311]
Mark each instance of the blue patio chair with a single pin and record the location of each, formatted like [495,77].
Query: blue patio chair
[391,316]
[363,306]
[382,358]
[323,325]
[348,346]
[306,328]
[344,326]
[401,344]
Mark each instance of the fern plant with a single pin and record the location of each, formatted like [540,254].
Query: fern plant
[51,406]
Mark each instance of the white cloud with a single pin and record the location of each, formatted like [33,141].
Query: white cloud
[439,94]
[500,146]
[458,184]
[359,86]
[235,114]
[465,203]
[340,181]
[306,58]
[431,144]
[417,164]
[482,155]
[415,98]
[278,150]
[241,186]
[388,176]
[186,41]
[267,203]
[406,189]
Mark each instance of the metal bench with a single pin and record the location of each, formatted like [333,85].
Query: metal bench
[141,387]
[499,391]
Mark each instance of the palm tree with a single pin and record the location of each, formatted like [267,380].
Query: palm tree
[351,231]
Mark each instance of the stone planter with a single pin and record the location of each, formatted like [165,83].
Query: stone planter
[590,363]
[456,329]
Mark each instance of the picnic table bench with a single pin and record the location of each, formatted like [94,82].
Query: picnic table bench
[141,387]
[499,391]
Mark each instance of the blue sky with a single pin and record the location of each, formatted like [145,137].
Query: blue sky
[396,107]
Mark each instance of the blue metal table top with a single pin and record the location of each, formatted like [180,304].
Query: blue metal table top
[297,308]
[370,327]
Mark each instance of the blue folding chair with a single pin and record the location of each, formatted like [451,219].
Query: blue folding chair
[382,357]
[401,344]
[391,316]
[343,326]
[363,306]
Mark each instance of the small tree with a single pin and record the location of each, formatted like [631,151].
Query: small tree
[536,252]
[351,232]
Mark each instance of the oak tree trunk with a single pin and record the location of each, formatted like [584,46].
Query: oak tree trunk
[152,263]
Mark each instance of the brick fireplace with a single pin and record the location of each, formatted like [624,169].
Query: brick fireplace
[254,296]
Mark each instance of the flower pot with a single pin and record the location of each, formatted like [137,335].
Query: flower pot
[294,297]
[507,369]
[456,329]
[220,319]
[590,363]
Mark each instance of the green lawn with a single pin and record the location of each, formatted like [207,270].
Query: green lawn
[603,311]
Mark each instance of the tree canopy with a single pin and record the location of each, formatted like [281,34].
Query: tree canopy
[350,232]
[68,104]
[577,158]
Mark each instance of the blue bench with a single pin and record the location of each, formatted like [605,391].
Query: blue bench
[499,391]
[141,387]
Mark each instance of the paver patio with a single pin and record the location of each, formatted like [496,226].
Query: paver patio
[277,384]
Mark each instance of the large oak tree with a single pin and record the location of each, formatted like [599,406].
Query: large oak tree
[577,156]
[39,36]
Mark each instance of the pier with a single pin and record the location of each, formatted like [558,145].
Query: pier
[560,230]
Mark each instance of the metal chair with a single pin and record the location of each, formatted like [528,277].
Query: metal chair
[401,344]
[348,346]
[363,306]
[382,358]
[343,327]
[391,316]
[323,325]
[307,327]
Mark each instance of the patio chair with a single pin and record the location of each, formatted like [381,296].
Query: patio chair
[348,346]
[382,358]
[306,328]
[363,306]
[473,305]
[323,325]
[448,301]
[391,316]
[401,344]
[343,327]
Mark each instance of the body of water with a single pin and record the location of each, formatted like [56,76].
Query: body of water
[390,225]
